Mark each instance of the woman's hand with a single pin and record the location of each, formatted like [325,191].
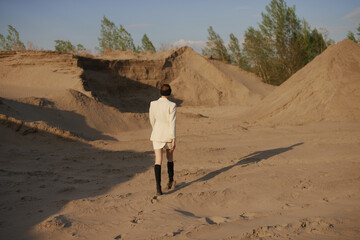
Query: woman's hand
[173,145]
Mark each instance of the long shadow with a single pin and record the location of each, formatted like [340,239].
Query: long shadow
[248,159]
[66,120]
[44,173]
[128,85]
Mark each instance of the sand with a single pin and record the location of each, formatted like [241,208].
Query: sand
[76,160]
[326,89]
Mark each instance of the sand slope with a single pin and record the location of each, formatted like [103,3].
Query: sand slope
[76,161]
[327,89]
[37,74]
[89,96]
[196,81]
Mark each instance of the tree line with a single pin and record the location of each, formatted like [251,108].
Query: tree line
[117,38]
[111,38]
[281,45]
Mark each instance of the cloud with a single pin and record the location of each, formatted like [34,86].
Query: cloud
[196,45]
[140,25]
[354,15]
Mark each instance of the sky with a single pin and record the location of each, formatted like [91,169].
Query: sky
[165,22]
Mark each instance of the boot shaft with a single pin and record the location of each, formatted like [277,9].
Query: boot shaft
[170,167]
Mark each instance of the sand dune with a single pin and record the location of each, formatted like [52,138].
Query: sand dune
[327,89]
[197,81]
[112,95]
[76,160]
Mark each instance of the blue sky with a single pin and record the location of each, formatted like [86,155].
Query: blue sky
[179,22]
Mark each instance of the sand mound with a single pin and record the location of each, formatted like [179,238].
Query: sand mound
[327,89]
[69,113]
[126,80]
[130,83]
[257,88]
[25,128]
[199,82]
[37,74]
[97,96]
[103,118]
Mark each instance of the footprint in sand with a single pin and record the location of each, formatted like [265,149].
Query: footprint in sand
[248,216]
[216,220]
[288,205]
[304,184]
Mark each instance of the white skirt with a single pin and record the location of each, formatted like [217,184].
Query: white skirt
[160,145]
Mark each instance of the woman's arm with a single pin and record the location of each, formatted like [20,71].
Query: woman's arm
[151,116]
[173,122]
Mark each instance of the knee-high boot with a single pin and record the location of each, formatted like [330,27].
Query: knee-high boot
[157,169]
[170,167]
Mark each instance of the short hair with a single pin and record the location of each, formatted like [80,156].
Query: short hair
[165,90]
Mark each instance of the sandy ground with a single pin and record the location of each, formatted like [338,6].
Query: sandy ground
[252,161]
[235,181]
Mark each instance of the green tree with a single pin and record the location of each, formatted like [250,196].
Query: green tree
[282,45]
[147,44]
[260,54]
[12,41]
[215,47]
[64,46]
[126,41]
[236,55]
[80,48]
[108,35]
[114,38]
[68,47]
[352,37]
[280,27]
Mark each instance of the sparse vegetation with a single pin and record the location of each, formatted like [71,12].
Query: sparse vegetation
[31,46]
[236,54]
[281,45]
[68,47]
[164,47]
[147,44]
[215,47]
[117,38]
[352,37]
[114,38]
[12,41]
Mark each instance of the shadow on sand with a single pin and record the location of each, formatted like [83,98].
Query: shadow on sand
[66,120]
[128,85]
[248,159]
[44,173]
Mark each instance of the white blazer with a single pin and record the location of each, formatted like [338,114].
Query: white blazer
[162,114]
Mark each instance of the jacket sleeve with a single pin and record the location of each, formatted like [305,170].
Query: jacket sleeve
[151,116]
[173,121]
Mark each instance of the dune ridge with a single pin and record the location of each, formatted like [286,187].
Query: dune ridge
[326,89]
[113,93]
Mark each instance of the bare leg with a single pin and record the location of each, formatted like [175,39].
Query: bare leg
[169,155]
[158,156]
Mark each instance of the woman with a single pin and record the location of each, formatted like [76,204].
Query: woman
[162,114]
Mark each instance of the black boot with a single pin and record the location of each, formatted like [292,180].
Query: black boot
[157,169]
[170,167]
